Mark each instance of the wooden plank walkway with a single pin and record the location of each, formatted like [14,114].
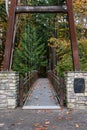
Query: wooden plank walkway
[42,96]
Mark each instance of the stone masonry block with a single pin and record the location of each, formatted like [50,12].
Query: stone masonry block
[9,83]
[71,105]
[76,100]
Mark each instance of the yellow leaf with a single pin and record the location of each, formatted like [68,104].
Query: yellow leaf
[47,123]
[47,111]
[67,112]
[77,125]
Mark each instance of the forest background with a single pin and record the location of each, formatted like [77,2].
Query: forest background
[37,33]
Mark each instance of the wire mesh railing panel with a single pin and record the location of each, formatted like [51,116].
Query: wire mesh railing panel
[41,2]
[59,86]
[25,86]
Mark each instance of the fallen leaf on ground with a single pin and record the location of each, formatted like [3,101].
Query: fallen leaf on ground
[2,124]
[37,129]
[54,126]
[60,118]
[36,124]
[67,112]
[43,128]
[77,125]
[47,122]
[68,118]
[19,123]
[21,119]
[36,97]
[47,111]
[38,111]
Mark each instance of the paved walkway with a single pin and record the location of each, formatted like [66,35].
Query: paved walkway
[42,96]
[59,119]
[64,119]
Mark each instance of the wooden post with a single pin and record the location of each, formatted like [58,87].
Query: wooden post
[62,92]
[9,36]
[72,28]
[54,60]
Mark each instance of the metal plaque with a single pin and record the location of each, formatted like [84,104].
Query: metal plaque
[79,85]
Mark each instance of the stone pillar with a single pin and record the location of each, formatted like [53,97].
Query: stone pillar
[9,85]
[76,90]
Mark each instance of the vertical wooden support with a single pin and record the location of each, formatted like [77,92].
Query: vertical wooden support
[49,62]
[9,36]
[62,93]
[54,59]
[74,46]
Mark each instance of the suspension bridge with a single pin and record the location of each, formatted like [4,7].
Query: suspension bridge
[42,93]
[35,92]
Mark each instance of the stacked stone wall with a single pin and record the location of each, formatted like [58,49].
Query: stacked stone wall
[76,100]
[9,85]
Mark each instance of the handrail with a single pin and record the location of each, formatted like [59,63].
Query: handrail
[25,85]
[59,86]
[29,76]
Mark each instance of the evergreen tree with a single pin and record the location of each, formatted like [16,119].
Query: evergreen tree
[3,28]
[30,54]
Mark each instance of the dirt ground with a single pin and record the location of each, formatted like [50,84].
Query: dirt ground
[63,119]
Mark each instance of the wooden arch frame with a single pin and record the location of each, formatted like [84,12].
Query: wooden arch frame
[14,9]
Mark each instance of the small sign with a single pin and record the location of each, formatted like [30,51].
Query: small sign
[82,98]
[79,85]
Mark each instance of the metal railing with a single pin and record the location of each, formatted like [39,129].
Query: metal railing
[25,85]
[59,86]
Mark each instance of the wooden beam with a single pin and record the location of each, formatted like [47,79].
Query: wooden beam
[9,36]
[41,9]
[72,28]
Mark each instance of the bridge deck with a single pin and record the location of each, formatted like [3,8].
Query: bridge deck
[42,96]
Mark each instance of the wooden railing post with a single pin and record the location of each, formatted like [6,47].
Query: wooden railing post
[21,92]
[27,88]
[62,93]
[61,97]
